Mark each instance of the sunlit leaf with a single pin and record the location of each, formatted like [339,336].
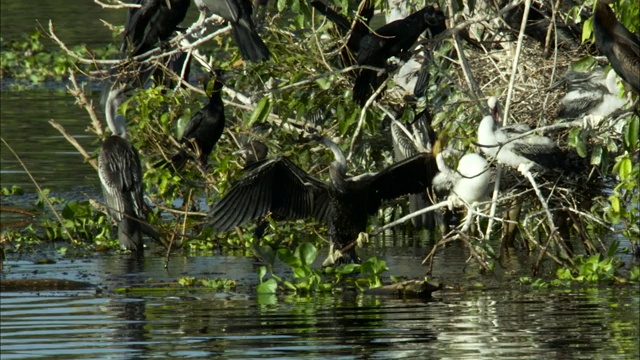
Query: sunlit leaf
[268,287]
[308,253]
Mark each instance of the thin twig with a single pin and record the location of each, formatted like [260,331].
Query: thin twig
[72,141]
[42,194]
[516,58]
[363,115]
[82,101]
[409,217]
[119,5]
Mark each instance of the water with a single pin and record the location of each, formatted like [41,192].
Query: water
[499,319]
[460,322]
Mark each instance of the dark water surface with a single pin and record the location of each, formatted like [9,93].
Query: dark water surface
[499,320]
[458,323]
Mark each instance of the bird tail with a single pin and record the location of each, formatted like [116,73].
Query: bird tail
[362,87]
[130,234]
[343,24]
[252,48]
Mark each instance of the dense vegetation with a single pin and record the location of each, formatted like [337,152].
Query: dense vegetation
[304,80]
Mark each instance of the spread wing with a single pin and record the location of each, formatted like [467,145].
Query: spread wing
[410,176]
[275,186]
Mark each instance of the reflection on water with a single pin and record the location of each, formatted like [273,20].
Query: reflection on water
[51,160]
[462,323]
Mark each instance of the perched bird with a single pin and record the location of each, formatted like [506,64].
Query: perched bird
[468,183]
[590,94]
[359,30]
[153,22]
[567,34]
[509,146]
[393,39]
[121,178]
[203,130]
[238,13]
[279,187]
[618,44]
[418,136]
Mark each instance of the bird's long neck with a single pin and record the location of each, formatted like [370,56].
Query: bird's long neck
[338,168]
[116,122]
[486,131]
[215,100]
[604,16]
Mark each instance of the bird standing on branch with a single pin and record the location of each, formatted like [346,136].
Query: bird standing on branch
[238,13]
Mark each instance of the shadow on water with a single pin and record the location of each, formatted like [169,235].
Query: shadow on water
[473,323]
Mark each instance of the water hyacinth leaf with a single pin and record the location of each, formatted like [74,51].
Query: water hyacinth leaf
[288,258]
[302,272]
[264,253]
[262,271]
[347,269]
[307,253]
[268,287]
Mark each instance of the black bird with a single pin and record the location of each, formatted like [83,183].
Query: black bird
[279,187]
[618,44]
[204,129]
[121,179]
[238,13]
[419,137]
[152,23]
[360,28]
[393,39]
[538,23]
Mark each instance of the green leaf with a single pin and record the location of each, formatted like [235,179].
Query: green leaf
[615,203]
[262,271]
[308,253]
[268,287]
[631,133]
[264,253]
[596,155]
[262,110]
[625,169]
[587,29]
[287,257]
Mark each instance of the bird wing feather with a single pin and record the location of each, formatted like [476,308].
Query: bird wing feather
[410,176]
[274,186]
[121,177]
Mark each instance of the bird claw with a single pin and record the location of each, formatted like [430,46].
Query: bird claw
[453,201]
[524,168]
[363,238]
[591,121]
[334,255]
